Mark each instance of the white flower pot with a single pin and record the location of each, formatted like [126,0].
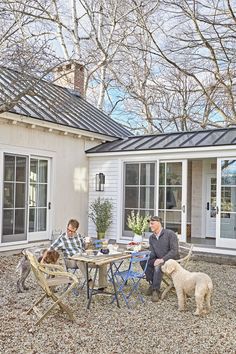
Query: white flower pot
[137,238]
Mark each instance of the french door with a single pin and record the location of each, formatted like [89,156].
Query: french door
[172,206]
[211,206]
[25,198]
[226,203]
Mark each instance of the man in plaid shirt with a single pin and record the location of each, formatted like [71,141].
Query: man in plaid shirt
[71,243]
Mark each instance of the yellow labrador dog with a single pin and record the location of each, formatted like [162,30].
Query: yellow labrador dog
[187,283]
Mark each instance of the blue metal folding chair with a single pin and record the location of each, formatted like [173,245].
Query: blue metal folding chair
[134,273]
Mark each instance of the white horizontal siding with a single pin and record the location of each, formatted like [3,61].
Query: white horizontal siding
[110,168]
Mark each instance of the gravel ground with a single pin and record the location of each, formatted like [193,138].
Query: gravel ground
[146,328]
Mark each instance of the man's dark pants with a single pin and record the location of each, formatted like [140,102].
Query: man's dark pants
[153,274]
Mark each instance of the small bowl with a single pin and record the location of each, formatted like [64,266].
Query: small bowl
[105,250]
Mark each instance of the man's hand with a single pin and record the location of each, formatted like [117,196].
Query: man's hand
[158,261]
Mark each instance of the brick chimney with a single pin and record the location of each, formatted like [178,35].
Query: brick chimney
[70,75]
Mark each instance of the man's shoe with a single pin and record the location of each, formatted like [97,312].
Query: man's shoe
[155,295]
[149,291]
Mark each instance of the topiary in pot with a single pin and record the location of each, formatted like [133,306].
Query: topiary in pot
[100,212]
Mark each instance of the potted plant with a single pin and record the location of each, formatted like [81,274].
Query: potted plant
[101,215]
[138,224]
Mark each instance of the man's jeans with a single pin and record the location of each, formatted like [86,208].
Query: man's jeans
[153,275]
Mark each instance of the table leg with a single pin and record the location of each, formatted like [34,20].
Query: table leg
[87,279]
[91,290]
[114,285]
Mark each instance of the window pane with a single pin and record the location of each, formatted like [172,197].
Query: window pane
[228,172]
[127,212]
[20,169]
[8,221]
[43,171]
[132,174]
[8,195]
[131,197]
[162,174]
[33,170]
[162,214]
[174,173]
[162,198]
[20,195]
[32,220]
[19,221]
[42,202]
[227,227]
[147,197]
[147,174]
[33,195]
[228,199]
[173,221]
[9,168]
[42,221]
[173,197]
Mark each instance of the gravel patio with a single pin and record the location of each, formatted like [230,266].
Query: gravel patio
[149,328]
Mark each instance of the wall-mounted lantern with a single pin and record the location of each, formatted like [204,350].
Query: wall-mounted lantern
[100,181]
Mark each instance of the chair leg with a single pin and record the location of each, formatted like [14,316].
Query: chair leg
[63,307]
[135,289]
[167,289]
[35,304]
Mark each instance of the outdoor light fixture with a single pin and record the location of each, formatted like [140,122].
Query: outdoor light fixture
[100,181]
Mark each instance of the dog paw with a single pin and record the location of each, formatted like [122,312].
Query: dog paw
[197,313]
[181,309]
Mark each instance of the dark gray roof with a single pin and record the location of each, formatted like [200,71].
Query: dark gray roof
[194,139]
[55,104]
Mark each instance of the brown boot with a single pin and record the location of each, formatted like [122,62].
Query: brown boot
[155,295]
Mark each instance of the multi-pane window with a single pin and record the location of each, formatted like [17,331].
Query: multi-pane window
[139,190]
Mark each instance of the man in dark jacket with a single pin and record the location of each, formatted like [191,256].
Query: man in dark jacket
[163,246]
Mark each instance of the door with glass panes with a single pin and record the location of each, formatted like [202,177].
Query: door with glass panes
[25,197]
[226,203]
[172,195]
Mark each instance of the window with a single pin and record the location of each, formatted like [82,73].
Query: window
[139,190]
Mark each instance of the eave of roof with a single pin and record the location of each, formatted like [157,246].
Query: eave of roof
[56,104]
[170,141]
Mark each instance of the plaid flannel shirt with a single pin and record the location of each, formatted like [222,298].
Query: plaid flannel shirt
[69,245]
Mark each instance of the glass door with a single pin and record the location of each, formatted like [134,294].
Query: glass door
[211,206]
[172,196]
[14,198]
[25,198]
[226,203]
[38,197]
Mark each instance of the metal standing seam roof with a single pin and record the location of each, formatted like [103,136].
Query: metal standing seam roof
[194,139]
[56,104]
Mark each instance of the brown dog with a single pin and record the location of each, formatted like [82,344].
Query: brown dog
[24,265]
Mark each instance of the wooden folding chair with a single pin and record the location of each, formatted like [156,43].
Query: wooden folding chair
[183,262]
[48,276]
